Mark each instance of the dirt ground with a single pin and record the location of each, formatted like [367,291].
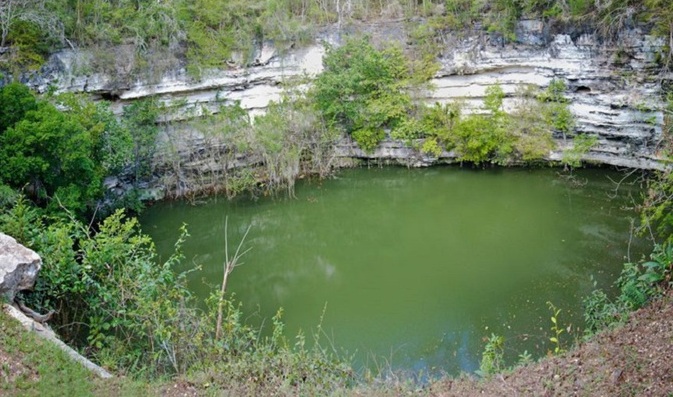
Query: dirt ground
[633,360]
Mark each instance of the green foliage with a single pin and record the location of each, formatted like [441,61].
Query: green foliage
[485,137]
[292,139]
[431,147]
[638,284]
[439,120]
[368,138]
[492,358]
[139,119]
[363,90]
[113,142]
[525,358]
[476,140]
[8,196]
[30,45]
[581,145]
[660,12]
[502,18]
[462,13]
[21,221]
[409,130]
[556,112]
[530,126]
[57,150]
[491,135]
[216,28]
[657,211]
[136,316]
[556,329]
[15,101]
[50,154]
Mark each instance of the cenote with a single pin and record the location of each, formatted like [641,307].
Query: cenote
[412,269]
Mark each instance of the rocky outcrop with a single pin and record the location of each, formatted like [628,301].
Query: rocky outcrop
[614,87]
[18,267]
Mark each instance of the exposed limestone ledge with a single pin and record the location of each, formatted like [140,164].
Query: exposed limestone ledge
[614,89]
[397,152]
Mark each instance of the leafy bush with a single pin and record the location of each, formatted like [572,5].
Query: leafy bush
[485,137]
[15,101]
[52,154]
[30,45]
[638,284]
[431,147]
[531,126]
[60,157]
[368,138]
[363,90]
[492,358]
[581,145]
[139,119]
[135,315]
[657,211]
[556,112]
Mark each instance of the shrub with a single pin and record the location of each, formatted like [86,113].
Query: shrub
[492,358]
[485,137]
[638,284]
[15,101]
[362,90]
[368,138]
[135,315]
[581,145]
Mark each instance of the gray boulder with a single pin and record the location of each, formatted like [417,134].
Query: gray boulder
[18,267]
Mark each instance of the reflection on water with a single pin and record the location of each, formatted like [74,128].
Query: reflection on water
[413,268]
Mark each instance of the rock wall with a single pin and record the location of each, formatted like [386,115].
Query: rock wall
[614,88]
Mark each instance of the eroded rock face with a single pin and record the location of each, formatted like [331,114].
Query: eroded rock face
[18,267]
[614,88]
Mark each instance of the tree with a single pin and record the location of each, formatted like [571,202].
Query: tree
[50,154]
[15,101]
[363,90]
[33,11]
[139,119]
[485,137]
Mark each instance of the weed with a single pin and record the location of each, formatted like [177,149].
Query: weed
[492,358]
[556,329]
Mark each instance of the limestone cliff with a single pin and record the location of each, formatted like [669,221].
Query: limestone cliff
[614,87]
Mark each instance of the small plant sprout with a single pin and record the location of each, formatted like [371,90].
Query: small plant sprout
[556,329]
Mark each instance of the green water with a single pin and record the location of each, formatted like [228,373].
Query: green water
[415,267]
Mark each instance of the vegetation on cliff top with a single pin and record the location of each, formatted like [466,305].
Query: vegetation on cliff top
[214,31]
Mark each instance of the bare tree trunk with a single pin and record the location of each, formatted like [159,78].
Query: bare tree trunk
[338,10]
[228,267]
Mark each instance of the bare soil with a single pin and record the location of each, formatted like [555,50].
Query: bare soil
[635,359]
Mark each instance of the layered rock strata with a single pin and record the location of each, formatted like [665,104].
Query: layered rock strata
[614,88]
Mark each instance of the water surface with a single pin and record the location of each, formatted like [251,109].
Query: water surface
[414,268]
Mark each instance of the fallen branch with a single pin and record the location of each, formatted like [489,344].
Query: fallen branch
[40,318]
